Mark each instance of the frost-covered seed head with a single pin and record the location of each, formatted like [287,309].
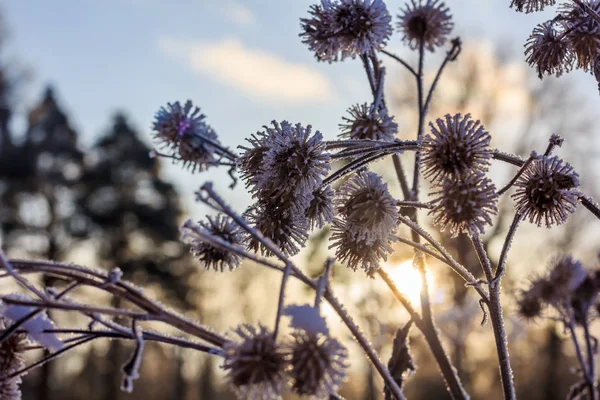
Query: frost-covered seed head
[530,302]
[320,210]
[183,131]
[583,33]
[287,229]
[210,255]
[426,21]
[566,274]
[547,191]
[366,123]
[347,28]
[12,359]
[318,364]
[368,209]
[455,147]
[529,6]
[256,365]
[548,50]
[465,204]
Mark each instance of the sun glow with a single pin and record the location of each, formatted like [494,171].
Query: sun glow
[408,280]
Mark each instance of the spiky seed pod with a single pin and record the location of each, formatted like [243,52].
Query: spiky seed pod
[529,6]
[584,298]
[359,253]
[320,210]
[465,204]
[293,166]
[547,191]
[288,230]
[457,146]
[566,274]
[183,131]
[318,364]
[532,301]
[347,28]
[582,32]
[426,21]
[12,359]
[366,123]
[210,254]
[255,366]
[368,209]
[548,50]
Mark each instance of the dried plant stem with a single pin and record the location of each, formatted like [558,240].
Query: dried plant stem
[589,380]
[495,310]
[505,248]
[401,177]
[450,56]
[590,358]
[401,61]
[422,111]
[280,302]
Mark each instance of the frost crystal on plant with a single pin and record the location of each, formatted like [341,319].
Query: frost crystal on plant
[547,191]
[465,203]
[211,255]
[548,50]
[583,33]
[318,364]
[256,365]
[455,147]
[184,132]
[529,6]
[346,28]
[12,359]
[428,22]
[366,123]
[320,211]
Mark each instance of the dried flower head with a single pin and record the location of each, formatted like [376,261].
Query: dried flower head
[584,297]
[209,253]
[566,274]
[366,123]
[548,50]
[529,6]
[12,359]
[183,131]
[368,209]
[464,203]
[346,28]
[320,211]
[455,147]
[285,228]
[547,191]
[318,364]
[255,366]
[583,32]
[425,21]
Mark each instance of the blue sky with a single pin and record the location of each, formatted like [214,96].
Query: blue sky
[240,61]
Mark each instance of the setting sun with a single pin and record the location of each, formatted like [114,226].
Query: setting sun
[408,280]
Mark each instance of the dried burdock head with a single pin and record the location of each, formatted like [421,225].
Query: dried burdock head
[183,131]
[12,359]
[529,6]
[320,210]
[566,274]
[286,229]
[318,364]
[457,145]
[529,307]
[255,366]
[293,166]
[584,297]
[368,209]
[346,28]
[359,253]
[465,203]
[250,162]
[548,50]
[210,254]
[366,123]
[547,191]
[582,32]
[425,21]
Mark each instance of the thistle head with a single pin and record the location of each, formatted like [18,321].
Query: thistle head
[465,204]
[367,123]
[255,365]
[582,33]
[529,6]
[548,50]
[547,191]
[320,211]
[457,146]
[346,28]
[425,22]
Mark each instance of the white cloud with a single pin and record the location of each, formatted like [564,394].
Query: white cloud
[240,13]
[256,73]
